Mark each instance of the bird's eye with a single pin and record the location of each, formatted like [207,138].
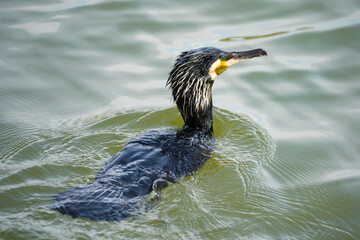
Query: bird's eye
[222,58]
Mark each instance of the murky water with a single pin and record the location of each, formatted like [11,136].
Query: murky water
[79,79]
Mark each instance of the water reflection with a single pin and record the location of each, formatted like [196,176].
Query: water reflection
[240,38]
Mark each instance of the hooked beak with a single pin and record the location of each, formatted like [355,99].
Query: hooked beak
[245,55]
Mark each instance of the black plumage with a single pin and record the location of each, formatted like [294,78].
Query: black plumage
[157,157]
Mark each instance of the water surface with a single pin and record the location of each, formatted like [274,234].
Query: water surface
[79,79]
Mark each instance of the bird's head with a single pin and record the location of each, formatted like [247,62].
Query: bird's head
[192,77]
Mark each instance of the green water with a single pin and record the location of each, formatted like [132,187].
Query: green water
[79,79]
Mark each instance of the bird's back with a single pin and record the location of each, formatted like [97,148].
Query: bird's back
[147,162]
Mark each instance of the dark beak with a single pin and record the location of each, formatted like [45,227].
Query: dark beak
[242,56]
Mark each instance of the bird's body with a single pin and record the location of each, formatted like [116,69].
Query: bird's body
[157,157]
[146,163]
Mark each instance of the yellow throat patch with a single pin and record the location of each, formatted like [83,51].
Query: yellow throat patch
[219,66]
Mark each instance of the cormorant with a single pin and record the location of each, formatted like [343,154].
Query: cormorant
[157,157]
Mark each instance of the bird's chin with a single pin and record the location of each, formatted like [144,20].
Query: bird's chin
[212,75]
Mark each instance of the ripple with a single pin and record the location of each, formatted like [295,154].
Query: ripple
[64,5]
[333,24]
[223,195]
[345,174]
[226,193]
[37,28]
[347,21]
[128,67]
[301,62]
[12,143]
[252,37]
[61,58]
[305,191]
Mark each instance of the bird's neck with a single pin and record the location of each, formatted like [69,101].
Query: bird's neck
[194,117]
[192,93]
[201,121]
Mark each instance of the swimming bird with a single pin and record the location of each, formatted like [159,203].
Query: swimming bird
[152,160]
